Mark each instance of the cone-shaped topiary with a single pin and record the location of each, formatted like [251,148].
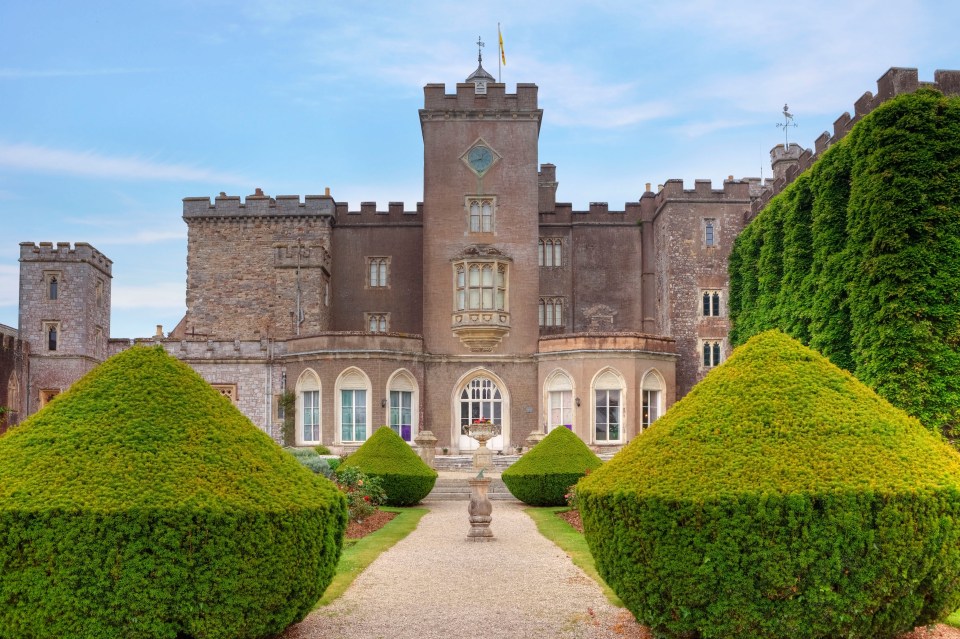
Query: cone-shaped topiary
[543,476]
[406,478]
[780,498]
[143,504]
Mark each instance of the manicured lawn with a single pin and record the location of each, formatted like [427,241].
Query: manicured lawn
[571,542]
[360,553]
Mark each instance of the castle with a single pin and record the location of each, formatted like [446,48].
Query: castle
[489,300]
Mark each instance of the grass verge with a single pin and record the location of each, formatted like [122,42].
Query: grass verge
[359,553]
[571,542]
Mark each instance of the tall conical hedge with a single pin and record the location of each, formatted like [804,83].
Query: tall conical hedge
[143,504]
[780,498]
[543,476]
[406,478]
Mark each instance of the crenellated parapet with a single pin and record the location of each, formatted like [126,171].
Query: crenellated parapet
[790,162]
[495,99]
[257,205]
[703,192]
[368,215]
[65,252]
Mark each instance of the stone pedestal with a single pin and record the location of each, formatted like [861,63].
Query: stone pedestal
[480,510]
[534,438]
[482,457]
[427,445]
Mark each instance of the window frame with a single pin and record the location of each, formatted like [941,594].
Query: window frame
[377,274]
[402,381]
[308,382]
[382,322]
[485,219]
[711,302]
[606,382]
[465,291]
[710,353]
[710,232]
[550,308]
[353,381]
[550,252]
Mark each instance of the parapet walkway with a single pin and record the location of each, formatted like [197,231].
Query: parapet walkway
[434,584]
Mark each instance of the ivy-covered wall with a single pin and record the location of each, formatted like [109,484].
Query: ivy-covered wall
[860,258]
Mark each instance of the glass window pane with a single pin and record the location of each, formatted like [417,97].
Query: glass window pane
[706,353]
[540,252]
[474,275]
[474,298]
[549,314]
[716,304]
[373,272]
[716,353]
[541,312]
[706,303]
[487,298]
[556,253]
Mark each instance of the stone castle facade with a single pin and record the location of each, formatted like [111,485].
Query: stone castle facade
[488,300]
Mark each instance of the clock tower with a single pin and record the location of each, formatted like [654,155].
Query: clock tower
[480,230]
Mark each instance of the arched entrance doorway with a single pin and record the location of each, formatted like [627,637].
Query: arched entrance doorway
[481,397]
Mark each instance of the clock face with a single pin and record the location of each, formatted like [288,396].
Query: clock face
[480,158]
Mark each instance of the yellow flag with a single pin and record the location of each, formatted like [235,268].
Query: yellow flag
[503,56]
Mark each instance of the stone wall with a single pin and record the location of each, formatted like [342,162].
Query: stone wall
[394,234]
[80,312]
[249,263]
[686,266]
[14,354]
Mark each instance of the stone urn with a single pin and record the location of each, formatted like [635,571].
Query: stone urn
[482,431]
[480,509]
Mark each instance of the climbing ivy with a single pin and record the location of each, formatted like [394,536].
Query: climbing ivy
[860,257]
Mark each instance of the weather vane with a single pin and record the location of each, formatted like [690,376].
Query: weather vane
[786,124]
[480,46]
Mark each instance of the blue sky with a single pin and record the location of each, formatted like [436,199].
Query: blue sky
[112,112]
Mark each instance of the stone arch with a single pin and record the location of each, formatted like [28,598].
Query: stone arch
[308,427]
[353,406]
[652,397]
[559,395]
[401,387]
[462,442]
[608,407]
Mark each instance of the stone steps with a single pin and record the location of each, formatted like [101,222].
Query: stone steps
[465,462]
[457,489]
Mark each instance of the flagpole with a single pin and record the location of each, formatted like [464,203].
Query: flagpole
[500,56]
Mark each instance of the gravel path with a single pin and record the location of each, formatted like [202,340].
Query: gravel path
[434,583]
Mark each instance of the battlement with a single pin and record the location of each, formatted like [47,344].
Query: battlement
[599,213]
[896,81]
[496,99]
[258,205]
[396,213]
[64,252]
[703,191]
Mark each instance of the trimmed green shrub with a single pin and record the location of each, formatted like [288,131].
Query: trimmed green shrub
[142,504]
[406,478]
[860,257]
[322,450]
[780,498]
[543,476]
[309,458]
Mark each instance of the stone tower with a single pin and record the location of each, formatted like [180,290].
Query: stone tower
[64,314]
[480,270]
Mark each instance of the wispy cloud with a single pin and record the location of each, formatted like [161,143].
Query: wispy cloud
[164,295]
[29,157]
[9,285]
[17,74]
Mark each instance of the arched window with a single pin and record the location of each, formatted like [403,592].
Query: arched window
[711,353]
[708,235]
[308,404]
[481,399]
[53,287]
[652,390]
[551,311]
[559,401]
[481,215]
[608,407]
[353,395]
[481,286]
[51,337]
[402,390]
[549,251]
